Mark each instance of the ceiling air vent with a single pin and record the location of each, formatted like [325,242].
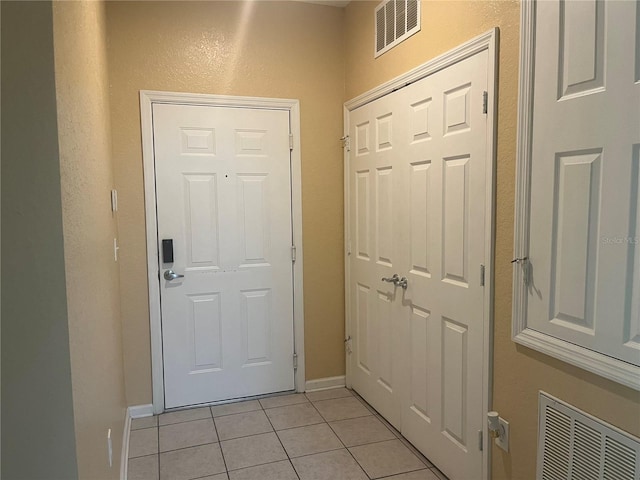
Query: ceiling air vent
[396,20]
[573,445]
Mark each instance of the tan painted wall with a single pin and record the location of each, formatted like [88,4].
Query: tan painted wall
[95,332]
[518,372]
[270,49]
[38,440]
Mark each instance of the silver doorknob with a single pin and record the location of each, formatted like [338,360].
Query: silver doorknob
[171,275]
[403,282]
[393,279]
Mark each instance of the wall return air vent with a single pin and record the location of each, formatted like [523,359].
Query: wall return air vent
[573,445]
[396,20]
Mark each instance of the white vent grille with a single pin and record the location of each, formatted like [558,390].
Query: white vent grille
[573,445]
[396,20]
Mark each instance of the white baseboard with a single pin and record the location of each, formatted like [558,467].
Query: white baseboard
[135,411]
[324,383]
[138,411]
[124,454]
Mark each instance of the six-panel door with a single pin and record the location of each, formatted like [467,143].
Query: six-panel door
[224,197]
[583,266]
[417,208]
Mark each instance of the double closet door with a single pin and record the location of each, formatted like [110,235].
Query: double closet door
[417,202]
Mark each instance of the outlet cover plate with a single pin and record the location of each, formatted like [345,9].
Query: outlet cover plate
[503,440]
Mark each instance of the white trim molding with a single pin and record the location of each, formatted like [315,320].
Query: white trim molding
[135,411]
[124,451]
[327,383]
[124,454]
[489,42]
[147,99]
[594,362]
[139,411]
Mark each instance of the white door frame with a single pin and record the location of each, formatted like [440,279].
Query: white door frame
[489,42]
[147,99]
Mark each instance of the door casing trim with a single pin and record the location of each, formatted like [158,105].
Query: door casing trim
[488,41]
[147,99]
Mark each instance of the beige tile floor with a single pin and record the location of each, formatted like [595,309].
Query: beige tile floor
[326,435]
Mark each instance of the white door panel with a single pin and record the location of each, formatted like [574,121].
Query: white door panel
[586,139]
[442,413]
[417,183]
[374,185]
[223,196]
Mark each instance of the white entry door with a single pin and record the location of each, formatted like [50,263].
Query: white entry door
[224,202]
[418,180]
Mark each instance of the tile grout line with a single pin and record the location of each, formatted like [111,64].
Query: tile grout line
[300,426]
[371,413]
[289,405]
[419,455]
[386,423]
[330,398]
[220,439]
[319,453]
[397,433]
[179,423]
[158,432]
[215,427]
[281,444]
[237,413]
[254,466]
[377,441]
[244,436]
[345,447]
[190,446]
[351,418]
[404,473]
[231,401]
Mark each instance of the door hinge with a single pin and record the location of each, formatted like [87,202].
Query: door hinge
[347,345]
[291,141]
[293,253]
[482,275]
[480,440]
[346,142]
[295,361]
[485,102]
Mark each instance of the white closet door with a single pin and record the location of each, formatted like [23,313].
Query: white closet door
[583,256]
[444,242]
[376,229]
[417,209]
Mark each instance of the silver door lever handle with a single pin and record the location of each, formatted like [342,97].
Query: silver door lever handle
[171,275]
[394,279]
[397,281]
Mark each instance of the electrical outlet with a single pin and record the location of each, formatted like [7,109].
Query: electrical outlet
[503,440]
[110,448]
